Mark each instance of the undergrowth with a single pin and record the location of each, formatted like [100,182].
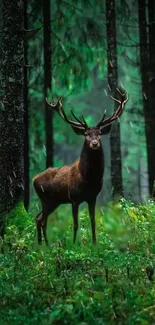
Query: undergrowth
[111,283]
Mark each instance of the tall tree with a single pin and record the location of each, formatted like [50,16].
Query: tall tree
[12,112]
[0,30]
[116,165]
[47,81]
[151,95]
[26,119]
[148,111]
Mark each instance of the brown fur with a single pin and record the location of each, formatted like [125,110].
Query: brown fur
[73,184]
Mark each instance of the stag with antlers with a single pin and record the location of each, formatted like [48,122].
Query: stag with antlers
[82,181]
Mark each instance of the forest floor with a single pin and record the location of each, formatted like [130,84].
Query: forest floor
[111,283]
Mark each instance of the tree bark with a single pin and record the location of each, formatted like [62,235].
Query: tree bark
[12,111]
[144,65]
[0,34]
[151,97]
[26,120]
[47,82]
[116,165]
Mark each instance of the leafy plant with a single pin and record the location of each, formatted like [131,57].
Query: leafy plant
[65,283]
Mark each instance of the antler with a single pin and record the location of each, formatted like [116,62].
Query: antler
[124,98]
[59,109]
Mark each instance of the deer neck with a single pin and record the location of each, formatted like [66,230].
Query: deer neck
[91,164]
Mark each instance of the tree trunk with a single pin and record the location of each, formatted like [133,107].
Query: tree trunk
[26,120]
[12,112]
[151,96]
[47,82]
[144,76]
[116,165]
[0,35]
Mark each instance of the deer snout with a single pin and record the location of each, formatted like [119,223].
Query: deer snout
[95,144]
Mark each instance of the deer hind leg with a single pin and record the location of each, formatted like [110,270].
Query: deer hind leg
[75,208]
[39,226]
[91,207]
[46,211]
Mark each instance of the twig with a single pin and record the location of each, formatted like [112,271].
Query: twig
[146,309]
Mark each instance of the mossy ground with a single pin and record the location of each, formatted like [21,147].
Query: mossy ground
[111,283]
[18,216]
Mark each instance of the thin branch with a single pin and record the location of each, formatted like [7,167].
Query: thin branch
[146,309]
[59,39]
[29,33]
[128,45]
[73,7]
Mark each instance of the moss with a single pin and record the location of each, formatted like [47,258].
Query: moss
[19,217]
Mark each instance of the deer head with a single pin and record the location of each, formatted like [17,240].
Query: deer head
[92,134]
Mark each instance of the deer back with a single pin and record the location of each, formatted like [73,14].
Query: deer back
[53,183]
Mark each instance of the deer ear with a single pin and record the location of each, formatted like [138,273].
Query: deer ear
[77,130]
[105,130]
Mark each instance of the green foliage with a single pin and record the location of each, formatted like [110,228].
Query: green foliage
[111,283]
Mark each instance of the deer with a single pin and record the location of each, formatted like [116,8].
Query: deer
[82,181]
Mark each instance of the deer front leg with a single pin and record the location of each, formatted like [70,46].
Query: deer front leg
[44,226]
[91,207]
[75,208]
[2,227]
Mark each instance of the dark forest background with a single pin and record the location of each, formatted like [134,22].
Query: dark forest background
[83,51]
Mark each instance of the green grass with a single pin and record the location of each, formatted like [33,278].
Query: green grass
[111,283]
